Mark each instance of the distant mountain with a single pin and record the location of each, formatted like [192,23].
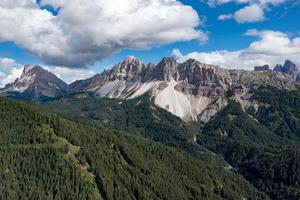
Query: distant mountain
[191,90]
[35,83]
[262,68]
[289,68]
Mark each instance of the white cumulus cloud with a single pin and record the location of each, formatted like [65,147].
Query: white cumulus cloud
[225,16]
[6,62]
[70,75]
[86,31]
[253,11]
[214,3]
[11,76]
[271,48]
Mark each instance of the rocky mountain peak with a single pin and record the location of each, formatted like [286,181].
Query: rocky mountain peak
[127,70]
[130,60]
[35,82]
[262,68]
[289,68]
[27,68]
[166,70]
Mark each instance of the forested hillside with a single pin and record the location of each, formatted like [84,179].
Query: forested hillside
[281,113]
[44,156]
[271,162]
[139,116]
[262,143]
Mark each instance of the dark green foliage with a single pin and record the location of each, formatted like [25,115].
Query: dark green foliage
[262,145]
[281,112]
[34,162]
[44,156]
[269,161]
[137,116]
[234,134]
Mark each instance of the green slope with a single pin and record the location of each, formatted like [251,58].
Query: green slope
[34,162]
[137,116]
[281,113]
[262,144]
[44,156]
[269,161]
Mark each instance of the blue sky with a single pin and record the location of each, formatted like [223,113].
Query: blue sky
[267,21]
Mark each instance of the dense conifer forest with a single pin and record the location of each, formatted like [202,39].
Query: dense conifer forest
[45,156]
[261,145]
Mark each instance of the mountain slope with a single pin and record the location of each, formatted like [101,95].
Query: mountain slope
[46,156]
[35,83]
[139,116]
[259,139]
[35,162]
[290,69]
[280,111]
[269,161]
[192,90]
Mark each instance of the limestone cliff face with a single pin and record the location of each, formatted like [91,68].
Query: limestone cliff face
[191,90]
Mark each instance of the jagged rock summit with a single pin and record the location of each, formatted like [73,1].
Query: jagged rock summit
[191,90]
[262,68]
[289,68]
[34,83]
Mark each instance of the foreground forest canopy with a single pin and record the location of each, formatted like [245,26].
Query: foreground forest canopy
[261,144]
[100,148]
[44,156]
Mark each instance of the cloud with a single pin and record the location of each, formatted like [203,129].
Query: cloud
[70,75]
[82,33]
[6,62]
[214,3]
[9,70]
[225,17]
[272,47]
[252,13]
[10,77]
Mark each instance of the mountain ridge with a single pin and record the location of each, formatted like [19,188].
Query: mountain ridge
[191,90]
[34,83]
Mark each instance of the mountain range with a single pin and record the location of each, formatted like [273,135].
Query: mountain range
[191,90]
[143,131]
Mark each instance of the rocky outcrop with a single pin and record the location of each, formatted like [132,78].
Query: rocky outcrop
[36,82]
[262,68]
[166,70]
[290,69]
[191,90]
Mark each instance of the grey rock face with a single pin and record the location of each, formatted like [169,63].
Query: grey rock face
[36,82]
[166,70]
[129,70]
[191,90]
[262,68]
[196,75]
[132,70]
[290,69]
